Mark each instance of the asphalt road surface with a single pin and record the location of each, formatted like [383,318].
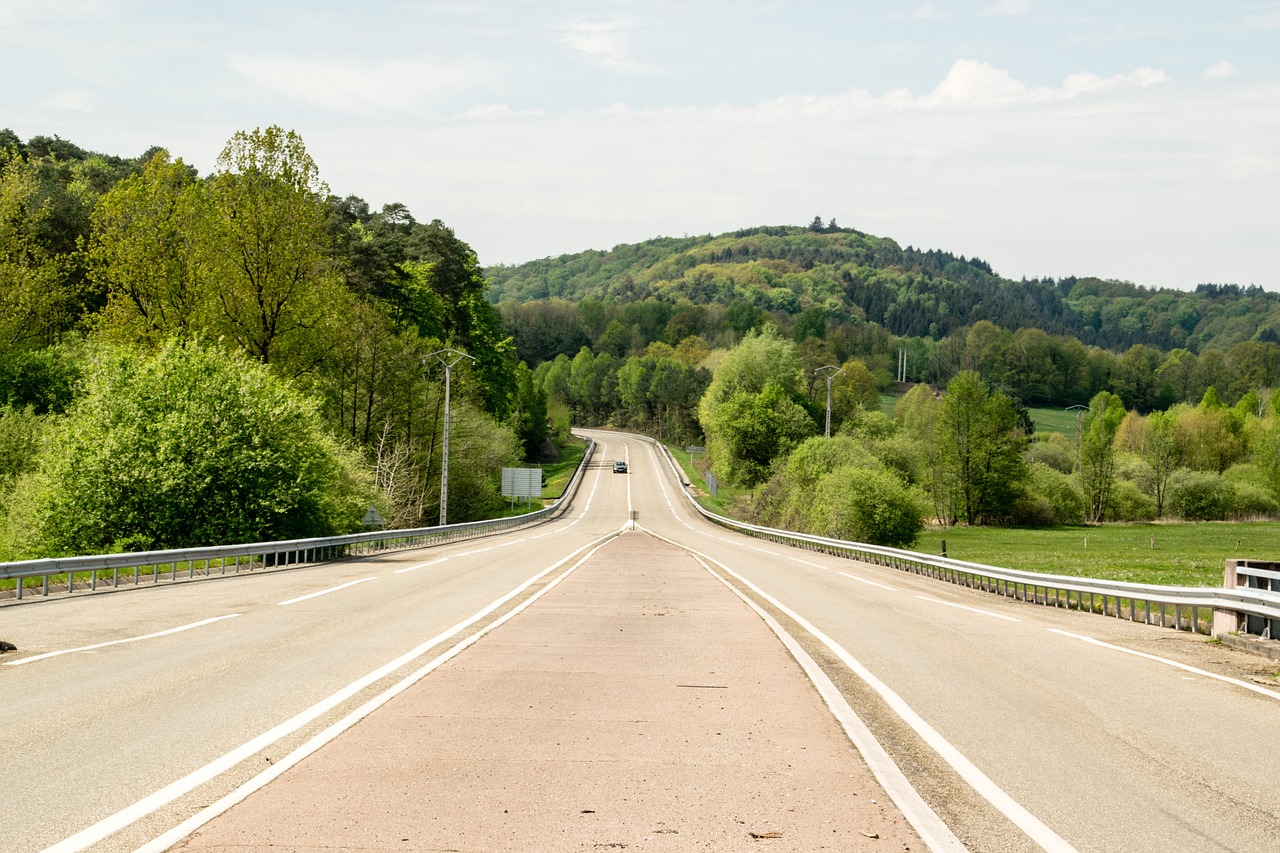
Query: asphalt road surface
[1021,727]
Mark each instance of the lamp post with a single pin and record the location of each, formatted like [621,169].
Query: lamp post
[448,357]
[830,371]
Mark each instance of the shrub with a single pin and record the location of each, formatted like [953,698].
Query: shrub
[867,505]
[1128,503]
[1200,496]
[1059,491]
[1052,454]
[190,447]
[1251,500]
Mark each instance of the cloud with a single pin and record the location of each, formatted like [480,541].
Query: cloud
[604,41]
[395,86]
[1007,7]
[971,83]
[1221,69]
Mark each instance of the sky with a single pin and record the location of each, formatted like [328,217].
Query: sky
[1124,139]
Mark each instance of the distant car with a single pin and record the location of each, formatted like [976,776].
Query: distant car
[619,467]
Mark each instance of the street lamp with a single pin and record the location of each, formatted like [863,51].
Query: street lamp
[830,371]
[448,357]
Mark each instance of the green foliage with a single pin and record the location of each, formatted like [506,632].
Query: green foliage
[747,432]
[1060,493]
[1200,496]
[978,444]
[867,505]
[190,447]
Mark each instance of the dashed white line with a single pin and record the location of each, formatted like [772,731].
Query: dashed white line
[867,582]
[324,591]
[964,607]
[419,566]
[202,622]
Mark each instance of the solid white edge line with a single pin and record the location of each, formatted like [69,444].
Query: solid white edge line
[202,622]
[323,592]
[130,814]
[182,830]
[1173,663]
[933,600]
[1035,829]
[932,830]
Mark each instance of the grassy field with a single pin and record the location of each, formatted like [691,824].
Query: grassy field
[1046,420]
[556,475]
[1167,554]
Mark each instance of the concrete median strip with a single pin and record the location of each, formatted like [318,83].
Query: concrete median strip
[638,704]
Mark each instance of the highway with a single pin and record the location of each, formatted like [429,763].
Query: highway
[1023,727]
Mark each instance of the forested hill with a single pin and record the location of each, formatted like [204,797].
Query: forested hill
[854,276]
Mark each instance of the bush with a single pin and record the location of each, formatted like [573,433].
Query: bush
[1058,491]
[1129,503]
[1251,500]
[190,447]
[1200,496]
[1052,454]
[867,505]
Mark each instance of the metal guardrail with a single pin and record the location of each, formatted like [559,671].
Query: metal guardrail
[86,573]
[1206,610]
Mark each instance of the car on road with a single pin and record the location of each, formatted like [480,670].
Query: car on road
[620,467]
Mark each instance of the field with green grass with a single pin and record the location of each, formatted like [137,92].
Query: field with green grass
[1167,554]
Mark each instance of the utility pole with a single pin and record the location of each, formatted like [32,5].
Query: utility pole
[830,371]
[447,357]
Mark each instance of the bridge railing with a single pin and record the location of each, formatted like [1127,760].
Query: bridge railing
[69,574]
[1252,607]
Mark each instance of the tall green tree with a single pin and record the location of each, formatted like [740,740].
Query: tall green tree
[1096,467]
[277,289]
[979,442]
[144,254]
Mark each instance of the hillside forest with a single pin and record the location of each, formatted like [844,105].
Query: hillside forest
[190,359]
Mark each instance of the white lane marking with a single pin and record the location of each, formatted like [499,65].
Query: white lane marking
[936,835]
[763,550]
[512,542]
[1173,663]
[864,580]
[324,591]
[970,609]
[476,551]
[110,825]
[419,566]
[164,633]
[1035,829]
[182,830]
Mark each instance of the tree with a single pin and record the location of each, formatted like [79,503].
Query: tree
[190,447]
[1097,453]
[747,432]
[143,253]
[1162,452]
[34,304]
[268,250]
[979,450]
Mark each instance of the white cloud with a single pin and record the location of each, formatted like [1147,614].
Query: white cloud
[604,41]
[394,86]
[1221,69]
[927,12]
[971,83]
[1007,7]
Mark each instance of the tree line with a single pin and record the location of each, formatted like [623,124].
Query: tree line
[242,346]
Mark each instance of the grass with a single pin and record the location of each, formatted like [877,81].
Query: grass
[556,475]
[1164,554]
